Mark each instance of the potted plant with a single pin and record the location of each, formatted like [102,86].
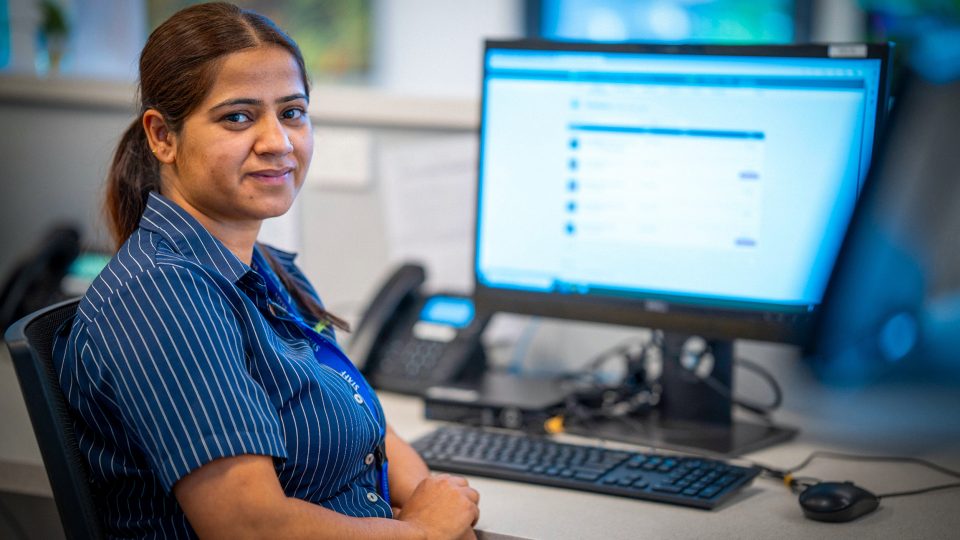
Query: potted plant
[51,36]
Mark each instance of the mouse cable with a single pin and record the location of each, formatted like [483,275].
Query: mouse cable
[796,482]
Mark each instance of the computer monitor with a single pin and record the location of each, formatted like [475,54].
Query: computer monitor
[699,190]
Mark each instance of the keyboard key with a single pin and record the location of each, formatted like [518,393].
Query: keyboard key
[710,492]
[472,461]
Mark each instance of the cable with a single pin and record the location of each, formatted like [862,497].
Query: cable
[749,365]
[759,409]
[918,491]
[855,457]
[796,482]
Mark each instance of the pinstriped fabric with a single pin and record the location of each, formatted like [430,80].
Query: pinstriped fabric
[178,356]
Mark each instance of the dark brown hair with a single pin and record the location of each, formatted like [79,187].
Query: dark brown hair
[178,66]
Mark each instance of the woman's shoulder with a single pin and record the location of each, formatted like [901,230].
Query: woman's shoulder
[145,269]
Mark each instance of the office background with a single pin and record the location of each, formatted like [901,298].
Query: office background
[419,96]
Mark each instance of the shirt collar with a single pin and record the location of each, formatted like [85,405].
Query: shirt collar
[189,237]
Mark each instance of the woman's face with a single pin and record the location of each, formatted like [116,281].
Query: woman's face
[243,153]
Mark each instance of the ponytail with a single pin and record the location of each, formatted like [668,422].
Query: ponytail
[304,300]
[133,174]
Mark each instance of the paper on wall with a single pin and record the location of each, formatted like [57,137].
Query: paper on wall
[428,198]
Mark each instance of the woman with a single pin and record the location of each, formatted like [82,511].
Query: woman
[210,394]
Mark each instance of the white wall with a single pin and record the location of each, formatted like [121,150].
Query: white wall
[434,47]
[837,21]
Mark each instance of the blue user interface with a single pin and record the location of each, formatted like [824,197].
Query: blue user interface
[448,310]
[723,181]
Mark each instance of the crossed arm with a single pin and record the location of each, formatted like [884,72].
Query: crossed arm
[406,470]
[241,497]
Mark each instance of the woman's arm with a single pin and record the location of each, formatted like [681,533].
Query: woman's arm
[241,497]
[406,470]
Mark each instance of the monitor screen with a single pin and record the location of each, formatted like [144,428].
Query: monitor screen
[705,189]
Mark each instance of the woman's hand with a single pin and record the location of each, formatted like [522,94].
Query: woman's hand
[443,507]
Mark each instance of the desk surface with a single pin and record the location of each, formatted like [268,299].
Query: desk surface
[919,422]
[766,509]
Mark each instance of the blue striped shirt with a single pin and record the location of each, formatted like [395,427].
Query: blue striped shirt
[178,356]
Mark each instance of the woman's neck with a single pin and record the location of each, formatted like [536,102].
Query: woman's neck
[238,237]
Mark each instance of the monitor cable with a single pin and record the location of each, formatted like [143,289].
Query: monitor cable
[638,390]
[697,364]
[763,410]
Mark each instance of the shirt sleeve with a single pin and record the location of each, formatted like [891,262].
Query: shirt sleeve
[172,344]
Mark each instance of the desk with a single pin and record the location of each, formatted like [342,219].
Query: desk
[894,421]
[901,421]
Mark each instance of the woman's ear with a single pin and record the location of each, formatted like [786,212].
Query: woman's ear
[160,137]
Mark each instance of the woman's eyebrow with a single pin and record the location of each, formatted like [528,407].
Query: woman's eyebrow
[293,97]
[257,102]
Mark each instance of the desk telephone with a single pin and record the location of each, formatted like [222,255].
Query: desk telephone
[408,341]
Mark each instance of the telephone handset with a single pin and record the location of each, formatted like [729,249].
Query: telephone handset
[408,341]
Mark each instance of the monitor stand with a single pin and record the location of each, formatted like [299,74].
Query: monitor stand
[692,415]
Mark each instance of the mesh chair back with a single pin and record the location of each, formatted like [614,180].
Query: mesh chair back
[30,341]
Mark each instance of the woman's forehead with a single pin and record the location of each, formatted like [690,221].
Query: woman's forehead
[261,71]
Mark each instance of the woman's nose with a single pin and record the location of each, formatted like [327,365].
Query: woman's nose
[272,138]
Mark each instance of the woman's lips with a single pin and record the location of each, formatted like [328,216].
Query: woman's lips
[273,176]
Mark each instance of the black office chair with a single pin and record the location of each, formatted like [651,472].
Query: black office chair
[30,341]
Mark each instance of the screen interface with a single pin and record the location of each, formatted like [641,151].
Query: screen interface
[715,180]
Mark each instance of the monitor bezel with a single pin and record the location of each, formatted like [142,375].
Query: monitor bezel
[654,312]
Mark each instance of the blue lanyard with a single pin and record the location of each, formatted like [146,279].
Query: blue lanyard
[338,362]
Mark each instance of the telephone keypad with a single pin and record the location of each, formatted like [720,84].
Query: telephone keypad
[411,358]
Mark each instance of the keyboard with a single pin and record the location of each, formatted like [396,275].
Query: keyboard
[688,481]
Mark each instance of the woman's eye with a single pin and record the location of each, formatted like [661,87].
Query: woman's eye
[292,114]
[237,118]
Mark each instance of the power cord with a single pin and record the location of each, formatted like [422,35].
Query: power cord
[797,484]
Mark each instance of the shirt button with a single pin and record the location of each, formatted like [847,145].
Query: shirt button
[358,399]
[372,497]
[369,459]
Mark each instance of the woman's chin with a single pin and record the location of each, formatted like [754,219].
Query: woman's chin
[267,209]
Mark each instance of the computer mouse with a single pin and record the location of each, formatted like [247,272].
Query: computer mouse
[837,501]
